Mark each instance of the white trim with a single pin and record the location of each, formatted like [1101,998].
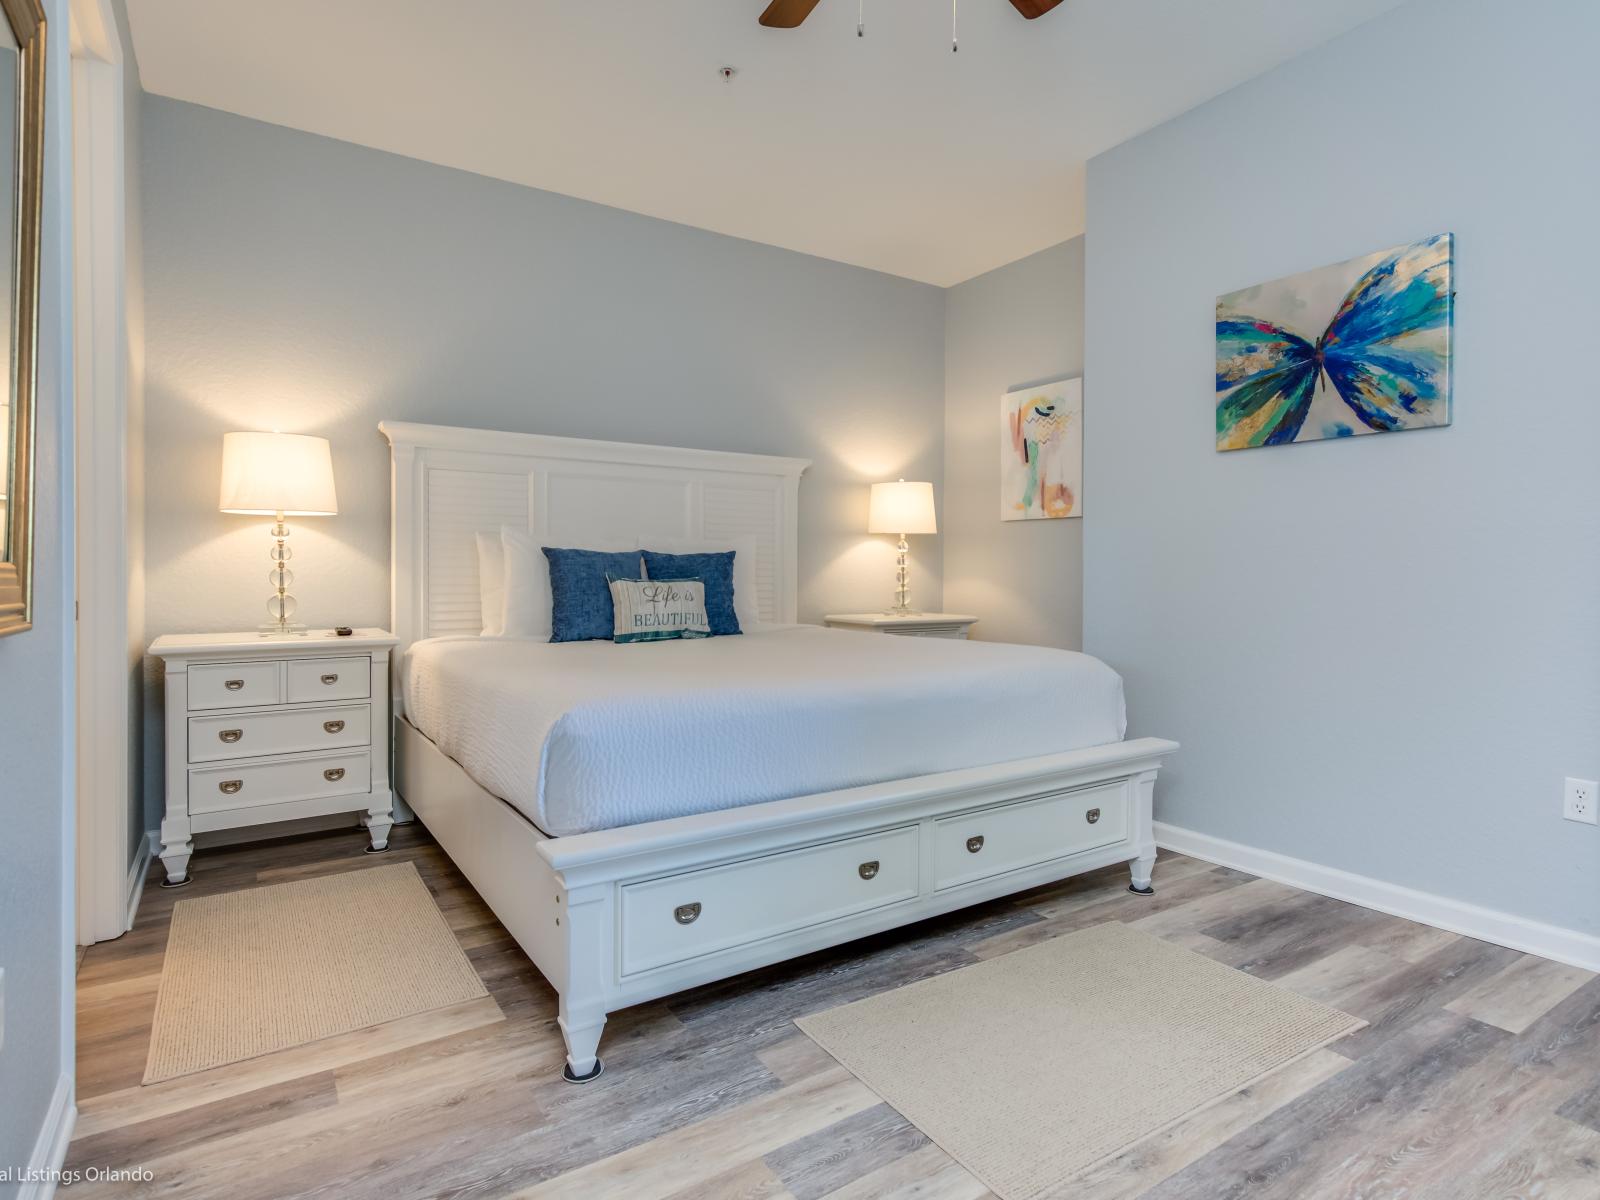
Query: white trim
[149,847]
[50,1148]
[1471,920]
[101,422]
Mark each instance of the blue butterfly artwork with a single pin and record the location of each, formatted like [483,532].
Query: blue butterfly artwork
[1380,364]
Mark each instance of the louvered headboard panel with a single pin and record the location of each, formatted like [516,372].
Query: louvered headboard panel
[450,483]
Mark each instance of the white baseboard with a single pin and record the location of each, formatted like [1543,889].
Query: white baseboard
[149,846]
[50,1150]
[1457,916]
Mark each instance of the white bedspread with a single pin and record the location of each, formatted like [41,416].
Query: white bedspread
[582,736]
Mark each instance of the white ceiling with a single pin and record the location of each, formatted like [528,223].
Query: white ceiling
[886,151]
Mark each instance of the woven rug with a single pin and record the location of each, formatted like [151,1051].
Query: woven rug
[251,972]
[1031,1067]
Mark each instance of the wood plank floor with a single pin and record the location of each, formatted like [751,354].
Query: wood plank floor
[1478,1074]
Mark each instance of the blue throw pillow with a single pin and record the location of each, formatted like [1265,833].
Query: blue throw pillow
[580,591]
[714,570]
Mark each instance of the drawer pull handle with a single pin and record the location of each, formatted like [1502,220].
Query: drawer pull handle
[230,735]
[333,726]
[974,844]
[868,870]
[233,685]
[229,787]
[333,774]
[1092,815]
[330,679]
[687,914]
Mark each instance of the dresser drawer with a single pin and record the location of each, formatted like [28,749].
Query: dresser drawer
[234,685]
[701,912]
[991,842]
[329,679]
[250,735]
[249,785]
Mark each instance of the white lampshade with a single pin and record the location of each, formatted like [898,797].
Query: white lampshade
[269,473]
[902,508]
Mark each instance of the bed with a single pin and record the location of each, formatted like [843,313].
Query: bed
[646,818]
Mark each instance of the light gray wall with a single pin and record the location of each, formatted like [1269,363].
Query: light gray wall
[37,698]
[1014,326]
[306,284]
[1379,655]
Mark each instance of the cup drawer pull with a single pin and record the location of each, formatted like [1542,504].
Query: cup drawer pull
[687,914]
[233,685]
[229,787]
[331,678]
[333,726]
[974,844]
[1092,815]
[868,870]
[230,735]
[333,774]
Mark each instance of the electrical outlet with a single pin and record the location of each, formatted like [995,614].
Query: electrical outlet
[1578,801]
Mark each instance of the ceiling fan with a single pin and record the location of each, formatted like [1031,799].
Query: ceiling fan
[788,14]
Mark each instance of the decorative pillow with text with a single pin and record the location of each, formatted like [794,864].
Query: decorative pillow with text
[654,610]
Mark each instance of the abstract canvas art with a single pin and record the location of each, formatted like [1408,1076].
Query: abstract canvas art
[1041,451]
[1359,347]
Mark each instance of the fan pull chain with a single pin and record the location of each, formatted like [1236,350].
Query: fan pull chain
[861,20]
[955,44]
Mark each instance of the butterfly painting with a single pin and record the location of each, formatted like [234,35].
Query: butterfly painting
[1359,347]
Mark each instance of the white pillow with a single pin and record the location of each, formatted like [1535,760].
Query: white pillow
[746,600]
[527,581]
[492,583]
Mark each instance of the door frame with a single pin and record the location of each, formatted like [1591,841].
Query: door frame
[107,887]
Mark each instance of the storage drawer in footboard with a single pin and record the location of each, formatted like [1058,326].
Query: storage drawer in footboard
[992,841]
[679,917]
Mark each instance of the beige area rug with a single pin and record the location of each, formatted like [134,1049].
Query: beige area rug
[1031,1067]
[251,972]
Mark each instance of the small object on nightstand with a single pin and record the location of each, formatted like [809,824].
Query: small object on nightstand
[342,631]
[261,731]
[939,625]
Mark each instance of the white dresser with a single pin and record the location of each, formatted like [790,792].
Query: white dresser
[263,729]
[942,625]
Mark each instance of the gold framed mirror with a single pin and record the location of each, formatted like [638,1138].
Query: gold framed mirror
[22,58]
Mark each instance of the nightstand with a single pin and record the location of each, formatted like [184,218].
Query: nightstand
[263,729]
[940,625]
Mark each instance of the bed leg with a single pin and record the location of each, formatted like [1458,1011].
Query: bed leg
[583,1039]
[1144,836]
[589,940]
[1140,870]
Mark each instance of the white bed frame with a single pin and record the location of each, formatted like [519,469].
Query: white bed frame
[626,915]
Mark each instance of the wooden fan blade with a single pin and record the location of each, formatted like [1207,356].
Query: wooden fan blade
[1028,8]
[787,14]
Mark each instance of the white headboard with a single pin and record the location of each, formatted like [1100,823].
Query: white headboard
[450,483]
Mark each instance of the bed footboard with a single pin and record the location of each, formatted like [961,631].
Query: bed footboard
[622,916]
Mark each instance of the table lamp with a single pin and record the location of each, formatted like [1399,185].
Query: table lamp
[902,508]
[278,475]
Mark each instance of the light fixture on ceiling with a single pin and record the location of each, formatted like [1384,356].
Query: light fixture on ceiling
[861,23]
[789,14]
[727,73]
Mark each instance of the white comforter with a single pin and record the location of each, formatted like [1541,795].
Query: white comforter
[582,736]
